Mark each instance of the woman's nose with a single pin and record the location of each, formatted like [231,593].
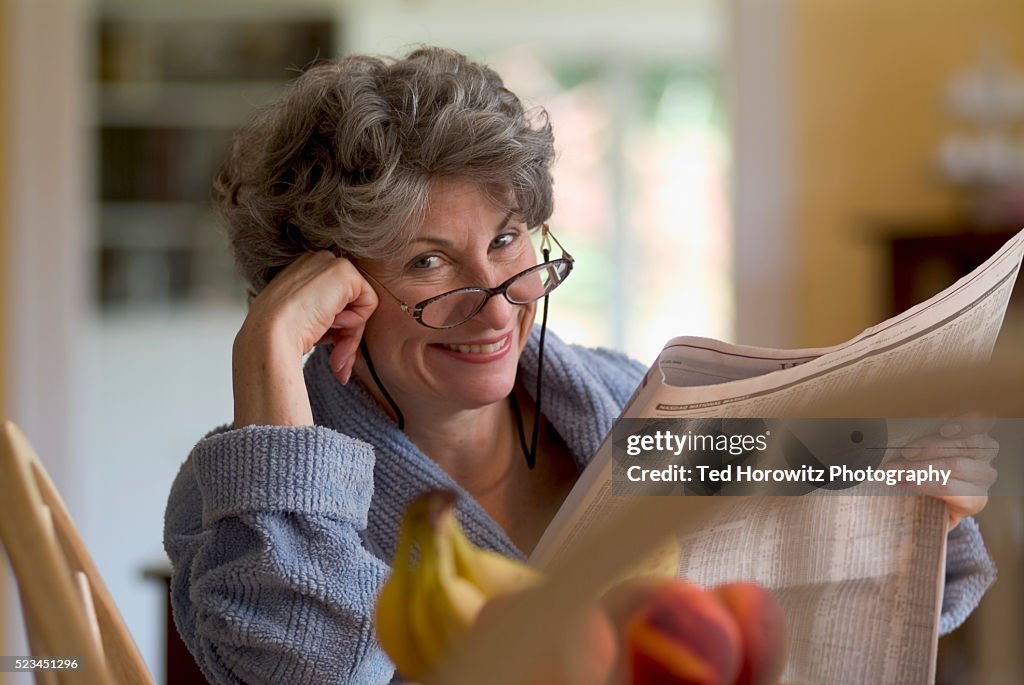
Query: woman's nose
[497,312]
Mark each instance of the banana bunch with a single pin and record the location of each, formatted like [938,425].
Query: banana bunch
[439,582]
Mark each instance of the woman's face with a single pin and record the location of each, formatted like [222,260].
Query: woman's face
[465,240]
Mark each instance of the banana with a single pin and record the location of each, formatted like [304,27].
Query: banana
[394,630]
[457,601]
[491,572]
[424,619]
[426,608]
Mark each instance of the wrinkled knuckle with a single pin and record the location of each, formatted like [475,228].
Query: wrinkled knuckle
[978,440]
[343,268]
[964,464]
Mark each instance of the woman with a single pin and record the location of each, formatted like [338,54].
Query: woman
[374,187]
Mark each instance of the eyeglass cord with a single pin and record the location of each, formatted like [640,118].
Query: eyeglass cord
[529,450]
[376,379]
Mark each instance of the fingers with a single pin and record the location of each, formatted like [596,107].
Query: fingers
[345,352]
[967,458]
[344,334]
[970,499]
[960,507]
[966,476]
[361,306]
[317,293]
[352,316]
[320,298]
[347,331]
[969,444]
[968,424]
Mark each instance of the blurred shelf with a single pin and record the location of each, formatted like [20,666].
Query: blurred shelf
[157,225]
[170,90]
[182,105]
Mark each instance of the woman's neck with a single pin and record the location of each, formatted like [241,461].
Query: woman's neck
[479,447]
[476,447]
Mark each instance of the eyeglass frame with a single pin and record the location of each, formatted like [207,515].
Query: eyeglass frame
[416,310]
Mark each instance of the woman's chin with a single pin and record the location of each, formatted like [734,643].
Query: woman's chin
[486,394]
[480,388]
[478,385]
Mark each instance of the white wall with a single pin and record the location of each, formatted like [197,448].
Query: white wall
[153,384]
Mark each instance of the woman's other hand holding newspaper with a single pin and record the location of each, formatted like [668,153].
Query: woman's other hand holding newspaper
[963,446]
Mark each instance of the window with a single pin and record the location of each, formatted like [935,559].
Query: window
[642,197]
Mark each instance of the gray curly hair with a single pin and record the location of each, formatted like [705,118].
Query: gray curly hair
[344,161]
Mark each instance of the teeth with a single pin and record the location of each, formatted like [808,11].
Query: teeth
[476,349]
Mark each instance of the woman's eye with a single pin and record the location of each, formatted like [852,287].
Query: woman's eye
[425,262]
[503,240]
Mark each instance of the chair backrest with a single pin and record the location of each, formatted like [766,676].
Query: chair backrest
[67,608]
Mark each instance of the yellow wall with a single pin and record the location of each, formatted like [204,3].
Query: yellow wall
[870,79]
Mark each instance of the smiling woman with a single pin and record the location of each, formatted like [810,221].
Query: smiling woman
[382,213]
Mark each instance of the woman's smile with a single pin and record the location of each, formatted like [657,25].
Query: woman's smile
[477,351]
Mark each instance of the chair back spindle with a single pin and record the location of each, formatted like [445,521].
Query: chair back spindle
[68,610]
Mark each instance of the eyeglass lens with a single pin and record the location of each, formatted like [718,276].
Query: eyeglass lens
[460,306]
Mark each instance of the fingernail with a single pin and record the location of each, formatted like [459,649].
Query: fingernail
[949,430]
[910,451]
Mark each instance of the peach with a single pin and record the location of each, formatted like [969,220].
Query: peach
[673,633]
[762,625]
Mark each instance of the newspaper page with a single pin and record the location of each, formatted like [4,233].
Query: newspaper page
[860,579]
[858,576]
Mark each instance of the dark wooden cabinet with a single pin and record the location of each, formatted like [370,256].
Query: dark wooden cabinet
[925,258]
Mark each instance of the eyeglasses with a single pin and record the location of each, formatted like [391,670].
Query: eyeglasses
[456,307]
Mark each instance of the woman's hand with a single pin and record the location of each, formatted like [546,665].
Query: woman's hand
[963,446]
[318,298]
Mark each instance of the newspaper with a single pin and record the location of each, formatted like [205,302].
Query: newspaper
[860,577]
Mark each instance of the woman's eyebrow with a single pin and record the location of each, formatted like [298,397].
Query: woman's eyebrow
[504,221]
[432,240]
[444,242]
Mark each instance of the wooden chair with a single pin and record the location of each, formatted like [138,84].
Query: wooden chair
[67,608]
